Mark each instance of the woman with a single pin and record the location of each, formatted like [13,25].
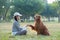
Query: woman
[16,29]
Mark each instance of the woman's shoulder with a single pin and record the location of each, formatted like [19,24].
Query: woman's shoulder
[15,22]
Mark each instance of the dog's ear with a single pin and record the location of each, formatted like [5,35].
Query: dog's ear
[34,17]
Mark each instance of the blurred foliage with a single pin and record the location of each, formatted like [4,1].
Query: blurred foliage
[51,10]
[28,8]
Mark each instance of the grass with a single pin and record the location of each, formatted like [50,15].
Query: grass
[54,29]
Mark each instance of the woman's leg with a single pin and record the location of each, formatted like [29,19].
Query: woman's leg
[21,32]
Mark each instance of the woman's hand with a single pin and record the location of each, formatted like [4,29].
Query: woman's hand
[27,25]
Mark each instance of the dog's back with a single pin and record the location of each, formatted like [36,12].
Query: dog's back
[40,27]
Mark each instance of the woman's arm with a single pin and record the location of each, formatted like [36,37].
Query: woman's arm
[17,26]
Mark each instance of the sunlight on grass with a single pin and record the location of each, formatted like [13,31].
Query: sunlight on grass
[54,29]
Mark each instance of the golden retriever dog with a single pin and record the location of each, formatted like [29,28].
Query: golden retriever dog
[39,27]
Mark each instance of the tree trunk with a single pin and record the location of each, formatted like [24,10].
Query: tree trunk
[6,10]
[59,18]
[48,19]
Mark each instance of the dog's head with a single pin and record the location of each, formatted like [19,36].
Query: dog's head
[37,17]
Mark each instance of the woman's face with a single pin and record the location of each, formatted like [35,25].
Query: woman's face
[18,17]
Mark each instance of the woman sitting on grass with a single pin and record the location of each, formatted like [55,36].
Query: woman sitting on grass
[16,29]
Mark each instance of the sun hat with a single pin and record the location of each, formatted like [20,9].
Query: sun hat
[17,14]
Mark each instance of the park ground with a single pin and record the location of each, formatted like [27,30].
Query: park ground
[53,27]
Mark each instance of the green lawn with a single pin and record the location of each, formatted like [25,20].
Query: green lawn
[54,29]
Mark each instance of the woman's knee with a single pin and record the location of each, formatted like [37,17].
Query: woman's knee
[25,32]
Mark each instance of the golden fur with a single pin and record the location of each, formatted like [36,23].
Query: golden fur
[39,27]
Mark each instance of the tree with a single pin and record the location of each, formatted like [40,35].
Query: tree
[28,7]
[58,10]
[50,10]
[2,5]
[5,8]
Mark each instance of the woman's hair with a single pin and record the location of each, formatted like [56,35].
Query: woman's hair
[15,18]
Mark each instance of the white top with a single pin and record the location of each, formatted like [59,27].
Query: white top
[23,28]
